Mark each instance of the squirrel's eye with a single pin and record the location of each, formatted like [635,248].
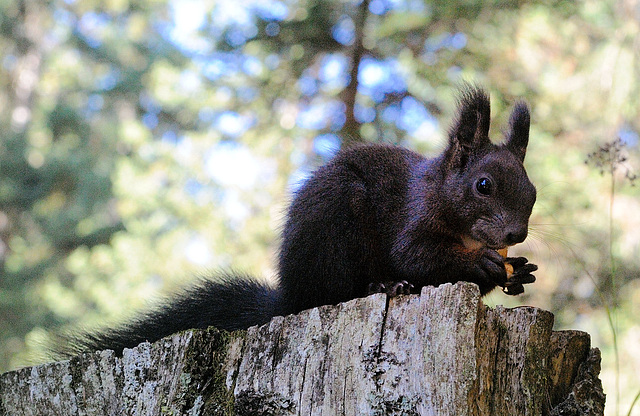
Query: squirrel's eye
[484,186]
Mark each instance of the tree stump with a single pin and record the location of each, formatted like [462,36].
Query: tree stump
[442,352]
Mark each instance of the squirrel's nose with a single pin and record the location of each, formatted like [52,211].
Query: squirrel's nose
[517,235]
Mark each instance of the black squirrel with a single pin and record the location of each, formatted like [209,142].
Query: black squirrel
[376,218]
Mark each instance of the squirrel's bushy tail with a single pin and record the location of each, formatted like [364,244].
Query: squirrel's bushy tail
[227,302]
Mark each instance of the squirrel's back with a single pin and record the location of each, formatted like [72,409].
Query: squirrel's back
[341,225]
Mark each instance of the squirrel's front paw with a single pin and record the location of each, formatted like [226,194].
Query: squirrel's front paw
[491,268]
[390,288]
[520,275]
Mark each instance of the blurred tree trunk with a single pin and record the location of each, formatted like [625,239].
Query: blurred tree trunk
[442,352]
[350,132]
[26,27]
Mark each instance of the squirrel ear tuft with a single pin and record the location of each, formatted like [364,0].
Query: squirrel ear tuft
[470,130]
[471,127]
[518,134]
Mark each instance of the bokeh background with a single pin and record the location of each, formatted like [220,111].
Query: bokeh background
[144,143]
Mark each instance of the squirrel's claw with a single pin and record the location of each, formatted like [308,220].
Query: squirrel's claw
[513,288]
[390,288]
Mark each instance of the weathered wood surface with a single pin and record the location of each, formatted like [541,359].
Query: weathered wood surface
[440,353]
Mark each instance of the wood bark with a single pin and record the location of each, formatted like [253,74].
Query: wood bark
[442,352]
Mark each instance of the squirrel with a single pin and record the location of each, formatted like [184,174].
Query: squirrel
[376,218]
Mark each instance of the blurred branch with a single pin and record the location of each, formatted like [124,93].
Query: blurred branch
[100,236]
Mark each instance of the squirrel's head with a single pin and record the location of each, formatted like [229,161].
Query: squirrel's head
[488,195]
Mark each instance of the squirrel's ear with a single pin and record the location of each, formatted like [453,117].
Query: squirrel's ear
[470,131]
[518,134]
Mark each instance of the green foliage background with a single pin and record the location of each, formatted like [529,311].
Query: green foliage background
[135,154]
